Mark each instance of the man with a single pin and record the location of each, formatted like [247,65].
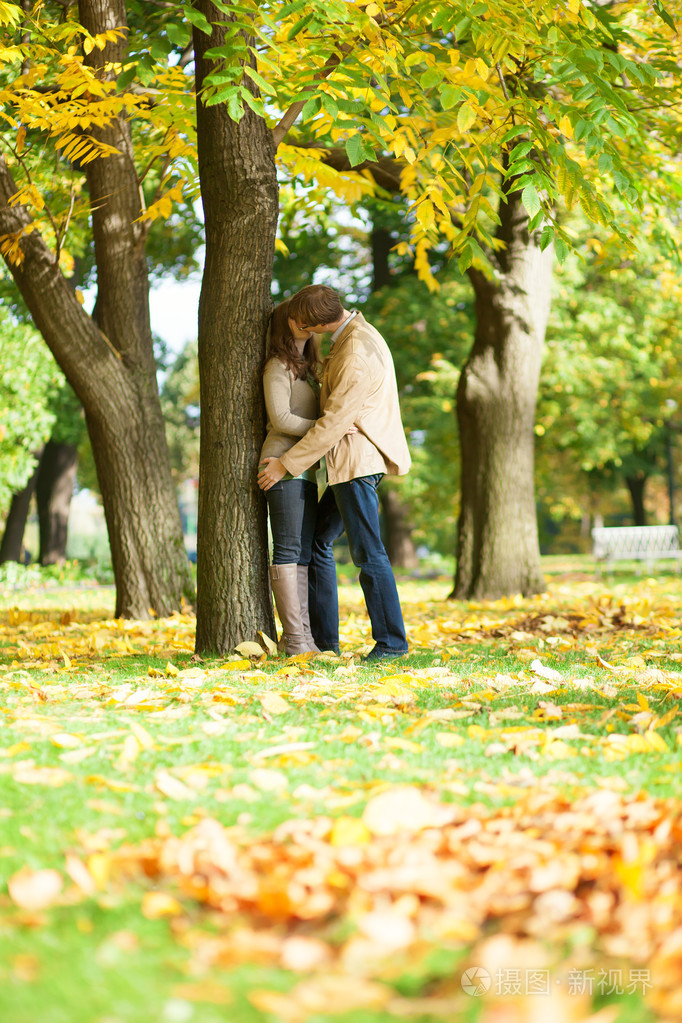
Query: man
[358,388]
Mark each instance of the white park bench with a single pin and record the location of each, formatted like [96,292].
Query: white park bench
[640,543]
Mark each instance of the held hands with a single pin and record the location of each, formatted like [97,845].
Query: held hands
[271,472]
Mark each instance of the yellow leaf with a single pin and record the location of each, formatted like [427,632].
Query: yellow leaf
[131,748]
[272,703]
[159,904]
[21,139]
[642,701]
[236,666]
[268,643]
[465,117]
[425,214]
[172,787]
[171,670]
[248,649]
[64,740]
[349,831]
[142,735]
[34,889]
[449,739]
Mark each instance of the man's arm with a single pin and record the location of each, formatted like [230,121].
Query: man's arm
[344,404]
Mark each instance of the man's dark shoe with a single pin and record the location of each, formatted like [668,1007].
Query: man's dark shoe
[377,654]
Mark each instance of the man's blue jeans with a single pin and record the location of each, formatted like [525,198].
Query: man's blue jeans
[354,506]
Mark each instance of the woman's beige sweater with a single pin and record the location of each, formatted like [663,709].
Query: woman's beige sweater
[291,405]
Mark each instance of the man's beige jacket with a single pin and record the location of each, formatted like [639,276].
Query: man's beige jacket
[358,388]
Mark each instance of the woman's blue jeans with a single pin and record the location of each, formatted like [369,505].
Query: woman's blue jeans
[354,507]
[292,506]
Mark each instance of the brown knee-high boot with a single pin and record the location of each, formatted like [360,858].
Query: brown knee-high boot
[284,580]
[303,604]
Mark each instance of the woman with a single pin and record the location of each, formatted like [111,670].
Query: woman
[290,383]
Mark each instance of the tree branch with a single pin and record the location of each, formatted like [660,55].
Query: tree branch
[290,115]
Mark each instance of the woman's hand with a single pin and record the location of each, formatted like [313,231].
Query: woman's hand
[352,429]
[271,472]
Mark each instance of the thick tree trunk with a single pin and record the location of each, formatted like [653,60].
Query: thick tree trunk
[497,547]
[110,365]
[54,488]
[637,486]
[240,198]
[15,526]
[397,530]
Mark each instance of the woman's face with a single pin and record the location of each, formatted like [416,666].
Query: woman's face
[296,332]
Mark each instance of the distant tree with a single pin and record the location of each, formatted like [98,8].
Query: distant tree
[610,380]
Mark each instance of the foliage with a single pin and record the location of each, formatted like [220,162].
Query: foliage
[180,406]
[610,383]
[29,380]
[274,837]
[571,102]
[560,99]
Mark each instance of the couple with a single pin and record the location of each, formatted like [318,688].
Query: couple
[360,433]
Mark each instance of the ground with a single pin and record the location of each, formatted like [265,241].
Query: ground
[488,830]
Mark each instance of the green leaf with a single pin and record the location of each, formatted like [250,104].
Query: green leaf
[355,149]
[531,200]
[300,25]
[125,78]
[660,10]
[235,107]
[465,258]
[511,133]
[179,35]
[432,77]
[449,95]
[330,105]
[561,249]
[261,82]
[198,19]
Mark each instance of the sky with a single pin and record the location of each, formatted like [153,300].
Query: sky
[173,308]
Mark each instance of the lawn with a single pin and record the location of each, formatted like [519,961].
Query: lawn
[488,830]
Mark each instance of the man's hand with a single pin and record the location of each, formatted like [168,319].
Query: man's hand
[271,472]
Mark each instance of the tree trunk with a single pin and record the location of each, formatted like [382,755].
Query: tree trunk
[240,199]
[497,546]
[13,537]
[54,488]
[637,486]
[397,530]
[110,365]
[381,243]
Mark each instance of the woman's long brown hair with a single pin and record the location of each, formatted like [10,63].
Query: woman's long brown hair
[282,345]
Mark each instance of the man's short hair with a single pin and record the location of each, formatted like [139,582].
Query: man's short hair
[315,304]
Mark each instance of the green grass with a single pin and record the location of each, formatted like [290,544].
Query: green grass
[102,961]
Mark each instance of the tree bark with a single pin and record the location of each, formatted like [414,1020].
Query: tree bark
[54,488]
[637,486]
[381,244]
[110,365]
[497,545]
[397,530]
[240,199]
[15,526]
